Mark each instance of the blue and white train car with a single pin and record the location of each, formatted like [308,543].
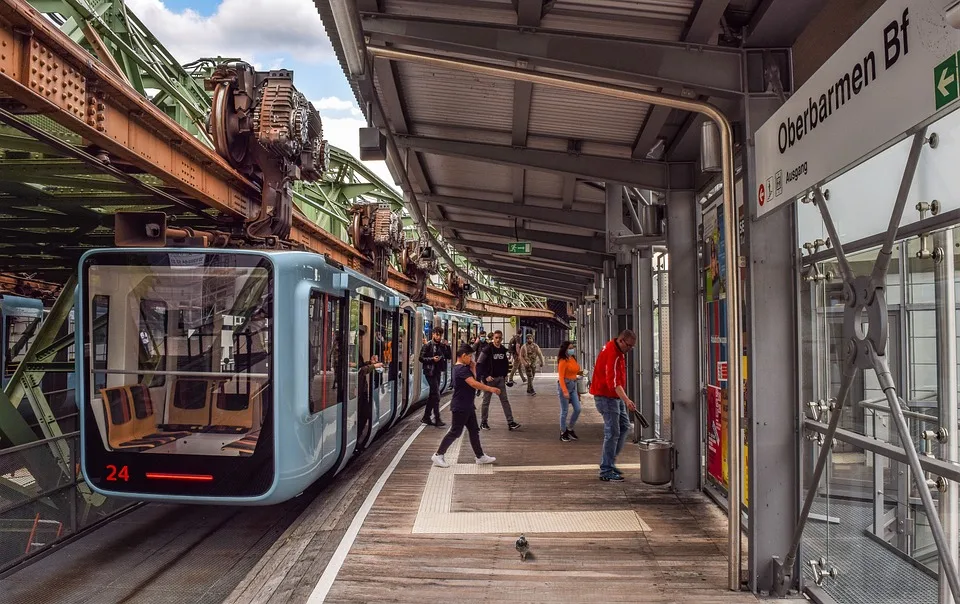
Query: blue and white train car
[236,376]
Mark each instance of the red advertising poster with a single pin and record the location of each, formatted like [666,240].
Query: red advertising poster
[714,432]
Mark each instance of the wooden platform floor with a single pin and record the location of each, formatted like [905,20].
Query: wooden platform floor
[668,548]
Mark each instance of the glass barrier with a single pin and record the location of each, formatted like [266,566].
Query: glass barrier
[869,537]
[42,502]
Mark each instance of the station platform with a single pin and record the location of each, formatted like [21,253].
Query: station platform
[448,534]
[394,528]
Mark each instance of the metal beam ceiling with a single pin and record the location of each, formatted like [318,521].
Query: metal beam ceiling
[494,257]
[586,220]
[780,22]
[708,70]
[587,244]
[646,174]
[587,260]
[704,22]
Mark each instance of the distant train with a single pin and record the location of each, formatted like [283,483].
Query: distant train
[238,376]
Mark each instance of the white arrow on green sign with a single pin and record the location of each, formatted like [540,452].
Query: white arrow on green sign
[520,248]
[945,82]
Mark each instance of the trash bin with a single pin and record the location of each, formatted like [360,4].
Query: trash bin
[655,460]
[583,385]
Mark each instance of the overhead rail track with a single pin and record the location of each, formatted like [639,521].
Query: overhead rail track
[99,108]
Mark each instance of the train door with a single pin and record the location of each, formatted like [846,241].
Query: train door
[427,334]
[385,379]
[448,336]
[365,347]
[407,375]
[326,343]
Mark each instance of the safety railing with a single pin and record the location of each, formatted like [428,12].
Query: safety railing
[41,506]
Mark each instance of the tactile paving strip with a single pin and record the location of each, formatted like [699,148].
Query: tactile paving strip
[434,515]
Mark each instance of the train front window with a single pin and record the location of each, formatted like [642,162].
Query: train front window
[187,342]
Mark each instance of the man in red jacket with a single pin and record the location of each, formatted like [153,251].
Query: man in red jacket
[607,388]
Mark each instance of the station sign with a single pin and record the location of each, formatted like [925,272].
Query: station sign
[895,73]
[520,248]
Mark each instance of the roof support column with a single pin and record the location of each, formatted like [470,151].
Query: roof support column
[773,412]
[643,320]
[685,399]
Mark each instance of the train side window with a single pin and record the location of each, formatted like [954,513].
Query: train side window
[353,352]
[153,340]
[324,354]
[100,336]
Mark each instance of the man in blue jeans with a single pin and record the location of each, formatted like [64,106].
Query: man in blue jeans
[607,388]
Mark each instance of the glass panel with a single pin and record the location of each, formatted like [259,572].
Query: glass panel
[153,340]
[324,354]
[870,562]
[204,321]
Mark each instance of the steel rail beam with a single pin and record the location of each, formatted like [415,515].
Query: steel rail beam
[50,74]
[47,72]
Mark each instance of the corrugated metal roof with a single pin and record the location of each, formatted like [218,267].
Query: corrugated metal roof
[590,117]
[483,11]
[440,96]
[468,176]
[650,19]
[543,184]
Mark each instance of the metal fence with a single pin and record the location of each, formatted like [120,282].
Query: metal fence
[44,500]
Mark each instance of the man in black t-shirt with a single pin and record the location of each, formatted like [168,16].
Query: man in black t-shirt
[492,368]
[464,413]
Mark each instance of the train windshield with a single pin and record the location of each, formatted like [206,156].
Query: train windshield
[178,351]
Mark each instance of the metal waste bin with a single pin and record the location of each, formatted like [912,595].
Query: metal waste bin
[583,385]
[655,462]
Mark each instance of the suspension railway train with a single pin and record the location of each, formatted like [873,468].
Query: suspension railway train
[237,376]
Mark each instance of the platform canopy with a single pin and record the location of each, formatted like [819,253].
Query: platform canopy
[494,161]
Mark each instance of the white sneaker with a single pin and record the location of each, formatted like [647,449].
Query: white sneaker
[486,459]
[439,461]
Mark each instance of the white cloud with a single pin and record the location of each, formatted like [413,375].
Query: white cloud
[332,103]
[239,28]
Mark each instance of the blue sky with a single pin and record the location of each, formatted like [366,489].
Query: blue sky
[291,37]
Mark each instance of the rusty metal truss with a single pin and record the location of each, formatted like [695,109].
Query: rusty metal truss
[97,117]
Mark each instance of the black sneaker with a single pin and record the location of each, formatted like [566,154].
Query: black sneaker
[439,423]
[572,435]
[426,421]
[484,426]
[564,436]
[509,384]
[532,392]
[511,426]
[611,476]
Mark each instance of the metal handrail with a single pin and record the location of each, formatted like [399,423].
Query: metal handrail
[37,443]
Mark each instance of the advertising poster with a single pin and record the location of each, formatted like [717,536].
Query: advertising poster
[715,451]
[718,355]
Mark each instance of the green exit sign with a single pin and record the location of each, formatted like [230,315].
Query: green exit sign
[520,248]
